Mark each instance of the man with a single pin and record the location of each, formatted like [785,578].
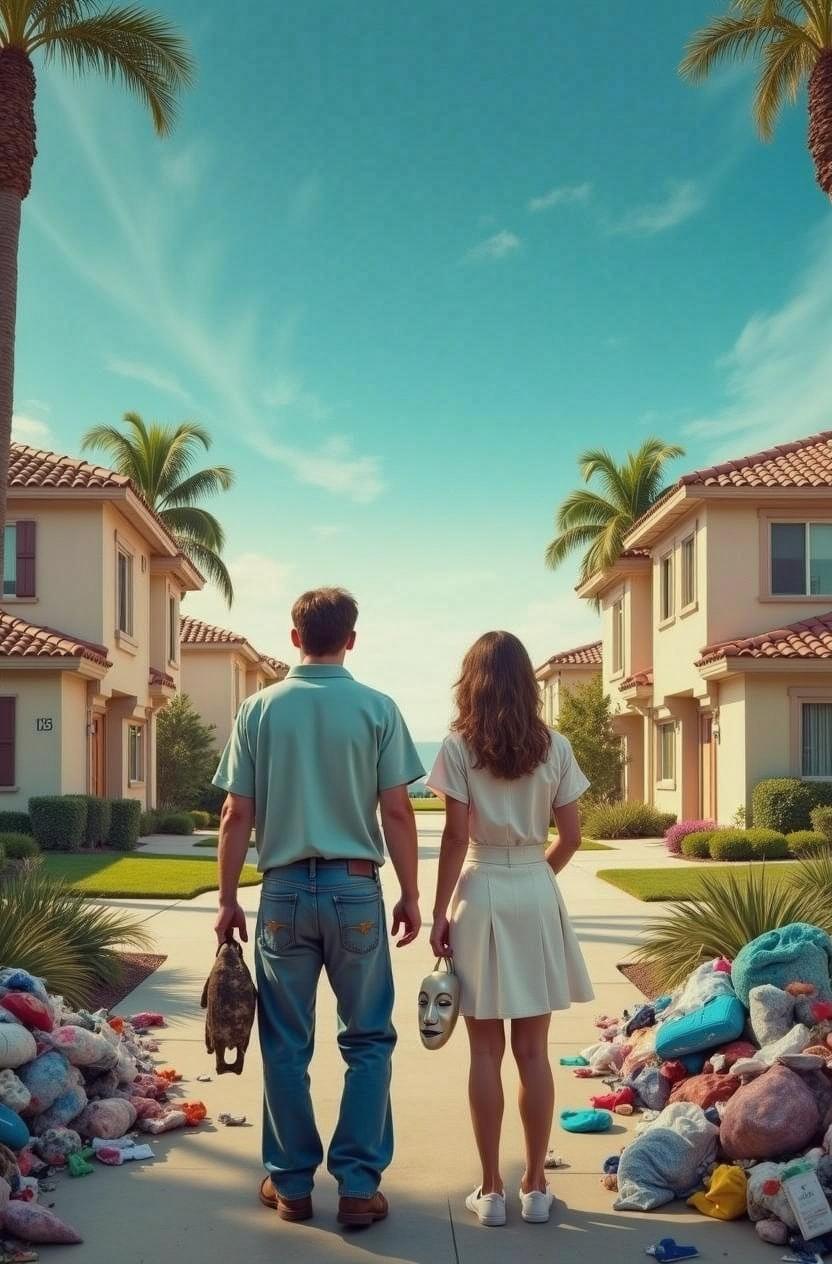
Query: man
[310,762]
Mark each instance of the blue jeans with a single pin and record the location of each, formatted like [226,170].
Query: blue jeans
[312,917]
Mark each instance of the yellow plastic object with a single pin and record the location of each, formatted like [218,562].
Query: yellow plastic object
[725,1198]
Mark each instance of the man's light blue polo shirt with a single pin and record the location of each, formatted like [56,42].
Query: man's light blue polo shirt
[313,752]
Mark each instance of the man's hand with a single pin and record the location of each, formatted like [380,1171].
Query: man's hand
[406,917]
[230,918]
[440,937]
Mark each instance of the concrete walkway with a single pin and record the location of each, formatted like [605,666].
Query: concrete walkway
[198,1198]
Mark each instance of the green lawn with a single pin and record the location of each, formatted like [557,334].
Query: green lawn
[677,884]
[428,805]
[140,876]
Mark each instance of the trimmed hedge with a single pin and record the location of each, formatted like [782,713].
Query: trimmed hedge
[697,846]
[124,824]
[785,803]
[626,820]
[148,823]
[15,823]
[731,844]
[201,820]
[98,819]
[18,846]
[175,823]
[808,843]
[59,823]
[821,818]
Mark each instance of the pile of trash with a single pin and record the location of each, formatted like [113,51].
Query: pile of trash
[76,1089]
[730,1080]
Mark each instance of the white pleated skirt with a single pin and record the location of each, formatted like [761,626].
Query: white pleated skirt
[514,948]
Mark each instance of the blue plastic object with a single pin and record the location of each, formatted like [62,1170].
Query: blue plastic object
[693,1062]
[586,1120]
[717,1023]
[669,1249]
[13,1131]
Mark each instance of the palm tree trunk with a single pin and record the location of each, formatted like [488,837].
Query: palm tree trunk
[820,120]
[17,157]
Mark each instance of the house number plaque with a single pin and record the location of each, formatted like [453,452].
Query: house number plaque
[44,724]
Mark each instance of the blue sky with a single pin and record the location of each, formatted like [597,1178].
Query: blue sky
[406,263]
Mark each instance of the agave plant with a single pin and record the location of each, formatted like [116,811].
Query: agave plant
[726,915]
[61,938]
[811,880]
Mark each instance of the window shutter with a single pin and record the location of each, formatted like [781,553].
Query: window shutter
[7,727]
[26,535]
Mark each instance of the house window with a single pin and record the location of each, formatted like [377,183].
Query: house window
[124,593]
[666,587]
[666,752]
[816,743]
[173,630]
[135,753]
[7,742]
[689,571]
[10,560]
[618,637]
[801,559]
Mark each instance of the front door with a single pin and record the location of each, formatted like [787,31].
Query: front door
[98,766]
[707,768]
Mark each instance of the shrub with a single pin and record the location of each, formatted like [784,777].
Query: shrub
[56,935]
[731,844]
[18,846]
[124,824]
[585,719]
[175,823]
[767,844]
[59,822]
[148,823]
[807,842]
[821,818]
[97,818]
[625,820]
[201,820]
[697,846]
[673,837]
[785,803]
[15,823]
[186,756]
[2,855]
[210,799]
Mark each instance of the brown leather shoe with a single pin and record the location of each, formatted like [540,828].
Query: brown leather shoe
[292,1209]
[356,1212]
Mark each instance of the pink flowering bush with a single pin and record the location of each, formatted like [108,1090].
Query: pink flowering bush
[673,837]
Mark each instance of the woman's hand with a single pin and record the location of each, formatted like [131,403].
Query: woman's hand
[440,937]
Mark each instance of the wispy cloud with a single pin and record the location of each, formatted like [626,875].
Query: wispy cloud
[183,168]
[683,200]
[151,376]
[777,374]
[334,466]
[500,246]
[288,391]
[31,431]
[563,195]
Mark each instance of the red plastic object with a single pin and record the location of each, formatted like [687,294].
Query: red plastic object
[29,1010]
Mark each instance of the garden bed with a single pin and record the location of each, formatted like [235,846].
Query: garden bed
[135,968]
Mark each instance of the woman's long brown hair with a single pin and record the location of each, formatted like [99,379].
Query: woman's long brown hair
[498,704]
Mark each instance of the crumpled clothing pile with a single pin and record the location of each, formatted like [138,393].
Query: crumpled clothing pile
[72,1087]
[731,1080]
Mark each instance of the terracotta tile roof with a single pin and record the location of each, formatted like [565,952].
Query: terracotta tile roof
[637,679]
[281,669]
[19,639]
[635,553]
[810,638]
[197,632]
[581,656]
[32,467]
[160,678]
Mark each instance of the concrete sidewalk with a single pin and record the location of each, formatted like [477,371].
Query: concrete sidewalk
[199,1197]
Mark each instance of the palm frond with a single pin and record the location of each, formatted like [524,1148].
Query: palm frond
[210,564]
[723,39]
[787,63]
[583,506]
[208,482]
[118,447]
[598,463]
[194,523]
[142,49]
[568,542]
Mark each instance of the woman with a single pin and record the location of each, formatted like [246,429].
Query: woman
[504,775]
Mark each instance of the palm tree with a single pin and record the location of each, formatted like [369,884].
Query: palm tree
[141,49]
[597,522]
[158,459]
[792,39]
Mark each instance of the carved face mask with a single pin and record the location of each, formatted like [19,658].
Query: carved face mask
[438,1005]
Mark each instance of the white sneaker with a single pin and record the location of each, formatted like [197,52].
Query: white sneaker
[535,1206]
[490,1209]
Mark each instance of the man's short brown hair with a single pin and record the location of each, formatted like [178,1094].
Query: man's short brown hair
[325,619]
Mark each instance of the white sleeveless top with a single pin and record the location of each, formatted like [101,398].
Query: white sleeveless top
[508,813]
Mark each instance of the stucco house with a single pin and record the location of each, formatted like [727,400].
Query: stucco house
[565,670]
[89,631]
[219,669]
[717,631]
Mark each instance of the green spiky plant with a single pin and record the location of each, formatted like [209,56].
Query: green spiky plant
[811,880]
[141,50]
[792,41]
[724,917]
[159,461]
[598,522]
[63,939]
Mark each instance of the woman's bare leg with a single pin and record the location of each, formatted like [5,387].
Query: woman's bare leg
[487,1038]
[529,1044]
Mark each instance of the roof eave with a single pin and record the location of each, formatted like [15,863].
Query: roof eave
[131,505]
[656,521]
[744,664]
[77,664]
[600,581]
